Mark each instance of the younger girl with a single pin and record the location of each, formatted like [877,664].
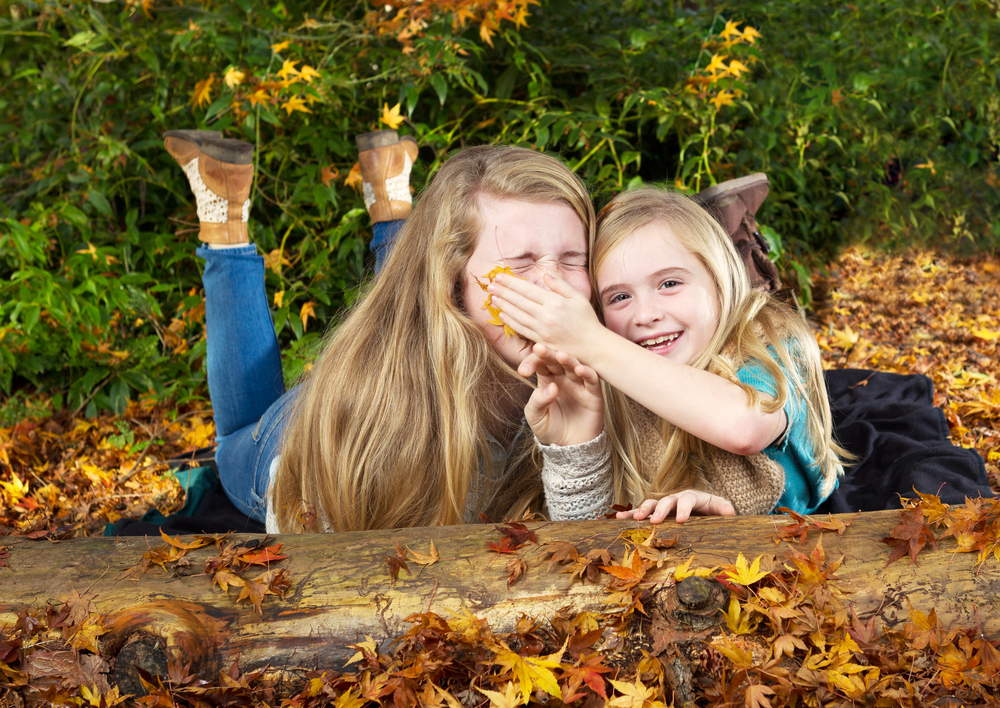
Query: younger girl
[725,393]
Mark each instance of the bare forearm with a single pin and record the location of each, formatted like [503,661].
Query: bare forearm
[701,403]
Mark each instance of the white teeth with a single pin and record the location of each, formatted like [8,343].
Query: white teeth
[658,340]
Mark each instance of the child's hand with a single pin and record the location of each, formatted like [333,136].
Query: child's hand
[567,408]
[560,318]
[690,501]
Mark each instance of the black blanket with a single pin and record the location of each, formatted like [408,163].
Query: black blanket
[887,420]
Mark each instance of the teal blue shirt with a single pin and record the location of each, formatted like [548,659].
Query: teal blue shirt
[804,478]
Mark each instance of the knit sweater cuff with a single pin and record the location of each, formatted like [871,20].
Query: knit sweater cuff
[577,479]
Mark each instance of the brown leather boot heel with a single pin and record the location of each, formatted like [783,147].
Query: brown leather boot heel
[385,160]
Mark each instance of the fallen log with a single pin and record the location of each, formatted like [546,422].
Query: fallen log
[341,590]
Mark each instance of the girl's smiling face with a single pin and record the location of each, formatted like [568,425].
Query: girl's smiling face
[655,292]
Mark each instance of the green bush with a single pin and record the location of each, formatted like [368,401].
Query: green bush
[874,121]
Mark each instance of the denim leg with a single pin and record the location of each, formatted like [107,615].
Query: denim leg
[243,359]
[244,457]
[244,374]
[383,234]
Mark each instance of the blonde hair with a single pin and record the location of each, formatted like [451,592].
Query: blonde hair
[751,327]
[391,428]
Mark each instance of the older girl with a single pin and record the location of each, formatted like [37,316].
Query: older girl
[413,413]
[724,408]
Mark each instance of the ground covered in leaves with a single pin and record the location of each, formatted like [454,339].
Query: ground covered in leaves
[790,636]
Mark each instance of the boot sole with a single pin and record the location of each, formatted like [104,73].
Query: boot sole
[378,139]
[211,142]
[734,185]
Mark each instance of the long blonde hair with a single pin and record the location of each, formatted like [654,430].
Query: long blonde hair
[391,428]
[751,327]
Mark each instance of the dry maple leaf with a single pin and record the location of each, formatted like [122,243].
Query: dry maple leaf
[909,536]
[396,563]
[516,569]
[391,117]
[429,558]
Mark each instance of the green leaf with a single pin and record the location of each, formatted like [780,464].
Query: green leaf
[440,86]
[99,201]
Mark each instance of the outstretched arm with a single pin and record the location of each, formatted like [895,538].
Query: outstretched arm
[707,406]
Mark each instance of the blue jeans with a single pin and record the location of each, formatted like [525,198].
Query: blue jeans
[245,381]
[244,375]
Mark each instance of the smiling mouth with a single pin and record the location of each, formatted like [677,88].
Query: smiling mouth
[656,341]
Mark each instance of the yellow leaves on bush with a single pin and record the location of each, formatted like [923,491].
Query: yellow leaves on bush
[295,103]
[723,98]
[308,310]
[233,77]
[279,47]
[202,93]
[406,20]
[288,69]
[391,117]
[354,179]
[307,74]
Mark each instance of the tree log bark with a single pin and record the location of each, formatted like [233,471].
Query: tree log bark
[341,590]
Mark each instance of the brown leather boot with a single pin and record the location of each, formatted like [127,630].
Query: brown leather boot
[220,171]
[385,160]
[734,204]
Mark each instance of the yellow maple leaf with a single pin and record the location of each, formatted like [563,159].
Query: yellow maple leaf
[634,695]
[354,178]
[730,30]
[743,573]
[487,29]
[983,333]
[736,68]
[295,103]
[203,91]
[724,98]
[280,47]
[87,635]
[845,338]
[716,64]
[288,68]
[279,298]
[233,77]
[429,558]
[307,311]
[532,671]
[147,5]
[750,34]
[508,699]
[391,117]
[684,570]
[307,74]
[737,620]
[16,489]
[259,96]
[368,644]
[488,303]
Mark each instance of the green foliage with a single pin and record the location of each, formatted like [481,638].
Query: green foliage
[876,120]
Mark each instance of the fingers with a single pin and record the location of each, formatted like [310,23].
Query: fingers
[682,505]
[537,408]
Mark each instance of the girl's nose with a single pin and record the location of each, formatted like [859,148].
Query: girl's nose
[646,312]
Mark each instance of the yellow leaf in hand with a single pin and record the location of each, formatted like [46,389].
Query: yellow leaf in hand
[203,91]
[390,116]
[488,303]
[233,77]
